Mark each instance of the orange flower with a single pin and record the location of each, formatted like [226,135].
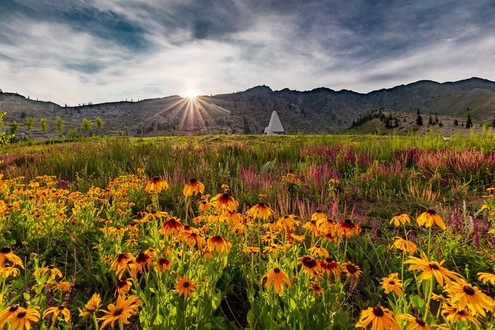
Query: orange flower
[310,266]
[432,268]
[224,203]
[404,245]
[121,311]
[121,264]
[429,217]
[155,185]
[278,279]
[400,218]
[260,211]
[330,266]
[185,287]
[347,228]
[171,226]
[352,269]
[193,188]
[219,244]
[392,283]
[7,254]
[163,264]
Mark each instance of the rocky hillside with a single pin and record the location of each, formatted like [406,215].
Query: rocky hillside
[321,110]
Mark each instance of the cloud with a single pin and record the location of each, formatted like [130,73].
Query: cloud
[105,50]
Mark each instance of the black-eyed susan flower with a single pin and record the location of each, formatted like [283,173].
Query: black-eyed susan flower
[326,225]
[276,278]
[56,311]
[318,250]
[318,215]
[193,188]
[252,249]
[8,271]
[352,269]
[193,238]
[400,219]
[309,266]
[92,305]
[330,266]
[268,238]
[380,318]
[22,318]
[414,322]
[123,308]
[171,226]
[464,295]
[273,248]
[52,271]
[347,228]
[155,185]
[288,223]
[121,263]
[311,226]
[392,283]
[6,313]
[315,289]
[185,287]
[260,211]
[291,237]
[486,277]
[204,205]
[454,314]
[7,254]
[432,269]
[123,286]
[271,225]
[219,244]
[163,264]
[404,245]
[224,203]
[430,217]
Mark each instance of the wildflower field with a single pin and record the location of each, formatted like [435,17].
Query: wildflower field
[257,232]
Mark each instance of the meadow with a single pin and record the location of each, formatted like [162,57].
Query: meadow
[258,232]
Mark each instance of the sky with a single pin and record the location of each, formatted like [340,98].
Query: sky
[79,51]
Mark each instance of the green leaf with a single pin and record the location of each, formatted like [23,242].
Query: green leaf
[418,302]
[216,299]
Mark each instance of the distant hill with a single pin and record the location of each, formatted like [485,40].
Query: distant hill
[320,110]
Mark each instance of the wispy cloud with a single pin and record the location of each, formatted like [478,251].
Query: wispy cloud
[105,50]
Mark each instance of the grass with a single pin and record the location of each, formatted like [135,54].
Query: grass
[82,206]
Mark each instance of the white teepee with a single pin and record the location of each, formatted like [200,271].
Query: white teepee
[275,126]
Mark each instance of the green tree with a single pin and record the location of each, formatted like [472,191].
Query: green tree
[86,125]
[29,122]
[13,127]
[59,125]
[43,125]
[469,122]
[99,123]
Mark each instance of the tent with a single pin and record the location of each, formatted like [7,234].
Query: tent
[275,126]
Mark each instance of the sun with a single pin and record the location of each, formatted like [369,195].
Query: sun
[191,94]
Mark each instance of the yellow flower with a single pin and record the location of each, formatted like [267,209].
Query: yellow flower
[18,317]
[53,272]
[163,264]
[155,185]
[453,314]
[400,218]
[121,264]
[55,311]
[392,283]
[121,311]
[380,318]
[415,323]
[429,217]
[288,223]
[7,271]
[319,251]
[252,249]
[431,268]
[260,211]
[330,266]
[224,203]
[278,279]
[310,266]
[486,277]
[219,244]
[463,295]
[316,289]
[352,269]
[404,245]
[94,302]
[7,254]
[347,228]
[185,287]
[171,226]
[123,286]
[193,188]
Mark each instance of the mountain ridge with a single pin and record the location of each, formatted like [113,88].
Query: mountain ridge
[320,110]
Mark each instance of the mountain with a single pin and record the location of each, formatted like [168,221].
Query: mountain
[321,110]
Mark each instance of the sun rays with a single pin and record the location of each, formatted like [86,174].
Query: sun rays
[193,113]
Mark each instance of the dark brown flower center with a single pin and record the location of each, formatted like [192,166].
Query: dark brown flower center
[468,290]
[377,311]
[309,262]
[13,308]
[61,308]
[391,282]
[431,212]
[141,258]
[21,315]
[118,311]
[420,322]
[193,181]
[351,269]
[433,266]
[276,270]
[50,267]
[6,250]
[186,284]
